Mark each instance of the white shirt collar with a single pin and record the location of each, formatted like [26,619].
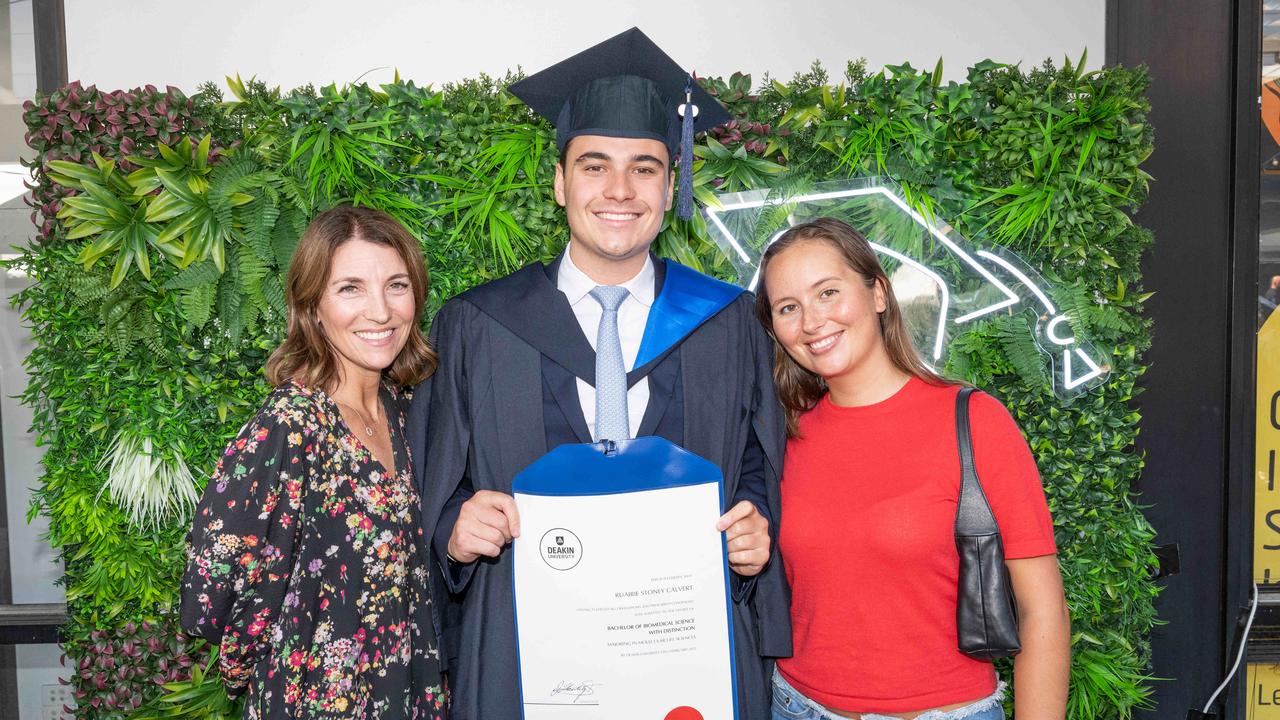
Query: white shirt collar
[575,284]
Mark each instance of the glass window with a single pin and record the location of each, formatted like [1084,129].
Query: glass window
[1267,494]
[29,568]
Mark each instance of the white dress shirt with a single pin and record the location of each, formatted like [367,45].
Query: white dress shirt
[633,315]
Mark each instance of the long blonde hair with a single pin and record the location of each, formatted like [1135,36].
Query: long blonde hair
[306,355]
[798,389]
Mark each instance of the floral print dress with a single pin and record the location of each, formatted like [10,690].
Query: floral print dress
[307,563]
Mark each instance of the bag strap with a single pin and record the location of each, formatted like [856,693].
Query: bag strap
[973,513]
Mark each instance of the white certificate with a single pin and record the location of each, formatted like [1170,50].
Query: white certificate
[621,586]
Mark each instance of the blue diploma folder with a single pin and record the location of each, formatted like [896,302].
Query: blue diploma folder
[606,468]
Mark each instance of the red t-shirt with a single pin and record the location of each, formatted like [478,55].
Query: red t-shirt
[867,535]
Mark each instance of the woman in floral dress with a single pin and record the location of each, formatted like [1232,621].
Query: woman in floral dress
[307,562]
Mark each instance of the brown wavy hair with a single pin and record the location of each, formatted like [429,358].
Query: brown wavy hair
[798,389]
[306,354]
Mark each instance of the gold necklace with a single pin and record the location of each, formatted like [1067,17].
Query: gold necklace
[368,426]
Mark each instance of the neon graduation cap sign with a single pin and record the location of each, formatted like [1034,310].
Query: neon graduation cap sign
[941,282]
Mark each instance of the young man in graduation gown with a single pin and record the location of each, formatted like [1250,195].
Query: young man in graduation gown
[521,358]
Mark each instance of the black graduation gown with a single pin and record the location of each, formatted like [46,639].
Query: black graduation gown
[504,394]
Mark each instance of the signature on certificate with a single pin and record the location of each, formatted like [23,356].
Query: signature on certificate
[576,690]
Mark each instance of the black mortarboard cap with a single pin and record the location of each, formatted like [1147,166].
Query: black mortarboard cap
[624,87]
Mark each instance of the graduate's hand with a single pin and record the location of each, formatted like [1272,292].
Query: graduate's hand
[486,522]
[746,533]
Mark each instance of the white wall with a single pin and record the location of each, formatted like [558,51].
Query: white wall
[292,42]
[22,49]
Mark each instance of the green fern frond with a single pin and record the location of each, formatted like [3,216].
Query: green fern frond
[1020,350]
[296,193]
[229,302]
[259,220]
[197,303]
[273,292]
[88,287]
[772,218]
[284,237]
[959,365]
[1091,315]
[120,334]
[240,173]
[973,357]
[148,331]
[196,274]
[116,308]
[250,271]
[249,314]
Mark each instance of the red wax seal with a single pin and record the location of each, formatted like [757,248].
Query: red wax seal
[684,712]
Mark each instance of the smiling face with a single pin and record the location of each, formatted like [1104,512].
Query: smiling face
[367,307]
[825,314]
[615,192]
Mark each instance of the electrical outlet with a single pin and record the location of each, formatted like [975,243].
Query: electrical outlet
[54,713]
[55,696]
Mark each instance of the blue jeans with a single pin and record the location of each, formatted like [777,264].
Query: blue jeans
[790,704]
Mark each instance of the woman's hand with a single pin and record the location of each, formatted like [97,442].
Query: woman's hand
[487,521]
[746,534]
[1041,671]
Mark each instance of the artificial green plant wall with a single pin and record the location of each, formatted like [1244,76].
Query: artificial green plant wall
[163,223]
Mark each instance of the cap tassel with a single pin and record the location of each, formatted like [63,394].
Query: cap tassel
[684,201]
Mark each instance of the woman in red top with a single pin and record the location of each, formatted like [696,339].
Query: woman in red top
[869,494]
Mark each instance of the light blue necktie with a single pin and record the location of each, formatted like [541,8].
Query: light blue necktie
[611,373]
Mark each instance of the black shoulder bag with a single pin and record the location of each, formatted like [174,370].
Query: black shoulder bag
[986,610]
